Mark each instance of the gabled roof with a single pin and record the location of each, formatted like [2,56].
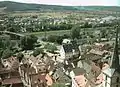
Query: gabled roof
[79,71]
[109,72]
[67,48]
[13,62]
[11,81]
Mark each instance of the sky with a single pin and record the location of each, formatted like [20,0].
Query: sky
[72,2]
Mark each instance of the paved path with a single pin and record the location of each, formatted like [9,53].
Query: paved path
[17,34]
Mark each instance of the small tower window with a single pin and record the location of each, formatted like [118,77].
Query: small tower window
[116,85]
[106,78]
[117,79]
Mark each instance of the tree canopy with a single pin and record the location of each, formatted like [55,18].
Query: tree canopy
[50,48]
[58,85]
[57,38]
[27,42]
[7,53]
[37,52]
[75,32]
[20,56]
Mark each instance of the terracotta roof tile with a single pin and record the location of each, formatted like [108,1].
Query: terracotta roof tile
[79,71]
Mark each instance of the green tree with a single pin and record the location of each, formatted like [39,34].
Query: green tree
[56,38]
[1,51]
[7,53]
[103,33]
[50,48]
[59,39]
[87,25]
[27,42]
[4,44]
[75,32]
[37,52]
[58,85]
[20,56]
[52,38]
[1,44]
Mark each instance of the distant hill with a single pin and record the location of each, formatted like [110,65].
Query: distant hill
[100,8]
[15,6]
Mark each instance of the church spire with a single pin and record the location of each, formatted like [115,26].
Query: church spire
[115,58]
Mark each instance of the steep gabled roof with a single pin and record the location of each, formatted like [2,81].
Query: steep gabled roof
[67,48]
[11,81]
[70,47]
[109,72]
[79,71]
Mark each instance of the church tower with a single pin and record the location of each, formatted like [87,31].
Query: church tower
[111,76]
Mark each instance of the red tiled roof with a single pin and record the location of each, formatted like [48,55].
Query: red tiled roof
[37,79]
[4,70]
[40,77]
[11,81]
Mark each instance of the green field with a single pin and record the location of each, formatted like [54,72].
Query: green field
[62,32]
[58,32]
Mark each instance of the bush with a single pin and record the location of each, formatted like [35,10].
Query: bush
[52,38]
[20,56]
[75,32]
[44,39]
[7,53]
[50,48]
[57,39]
[37,52]
[58,85]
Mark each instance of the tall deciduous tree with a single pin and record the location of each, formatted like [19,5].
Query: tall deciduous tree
[75,32]
[27,42]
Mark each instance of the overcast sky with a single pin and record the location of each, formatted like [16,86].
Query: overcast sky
[72,2]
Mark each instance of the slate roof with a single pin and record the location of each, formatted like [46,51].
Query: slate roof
[109,72]
[90,68]
[67,48]
[87,66]
[70,47]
